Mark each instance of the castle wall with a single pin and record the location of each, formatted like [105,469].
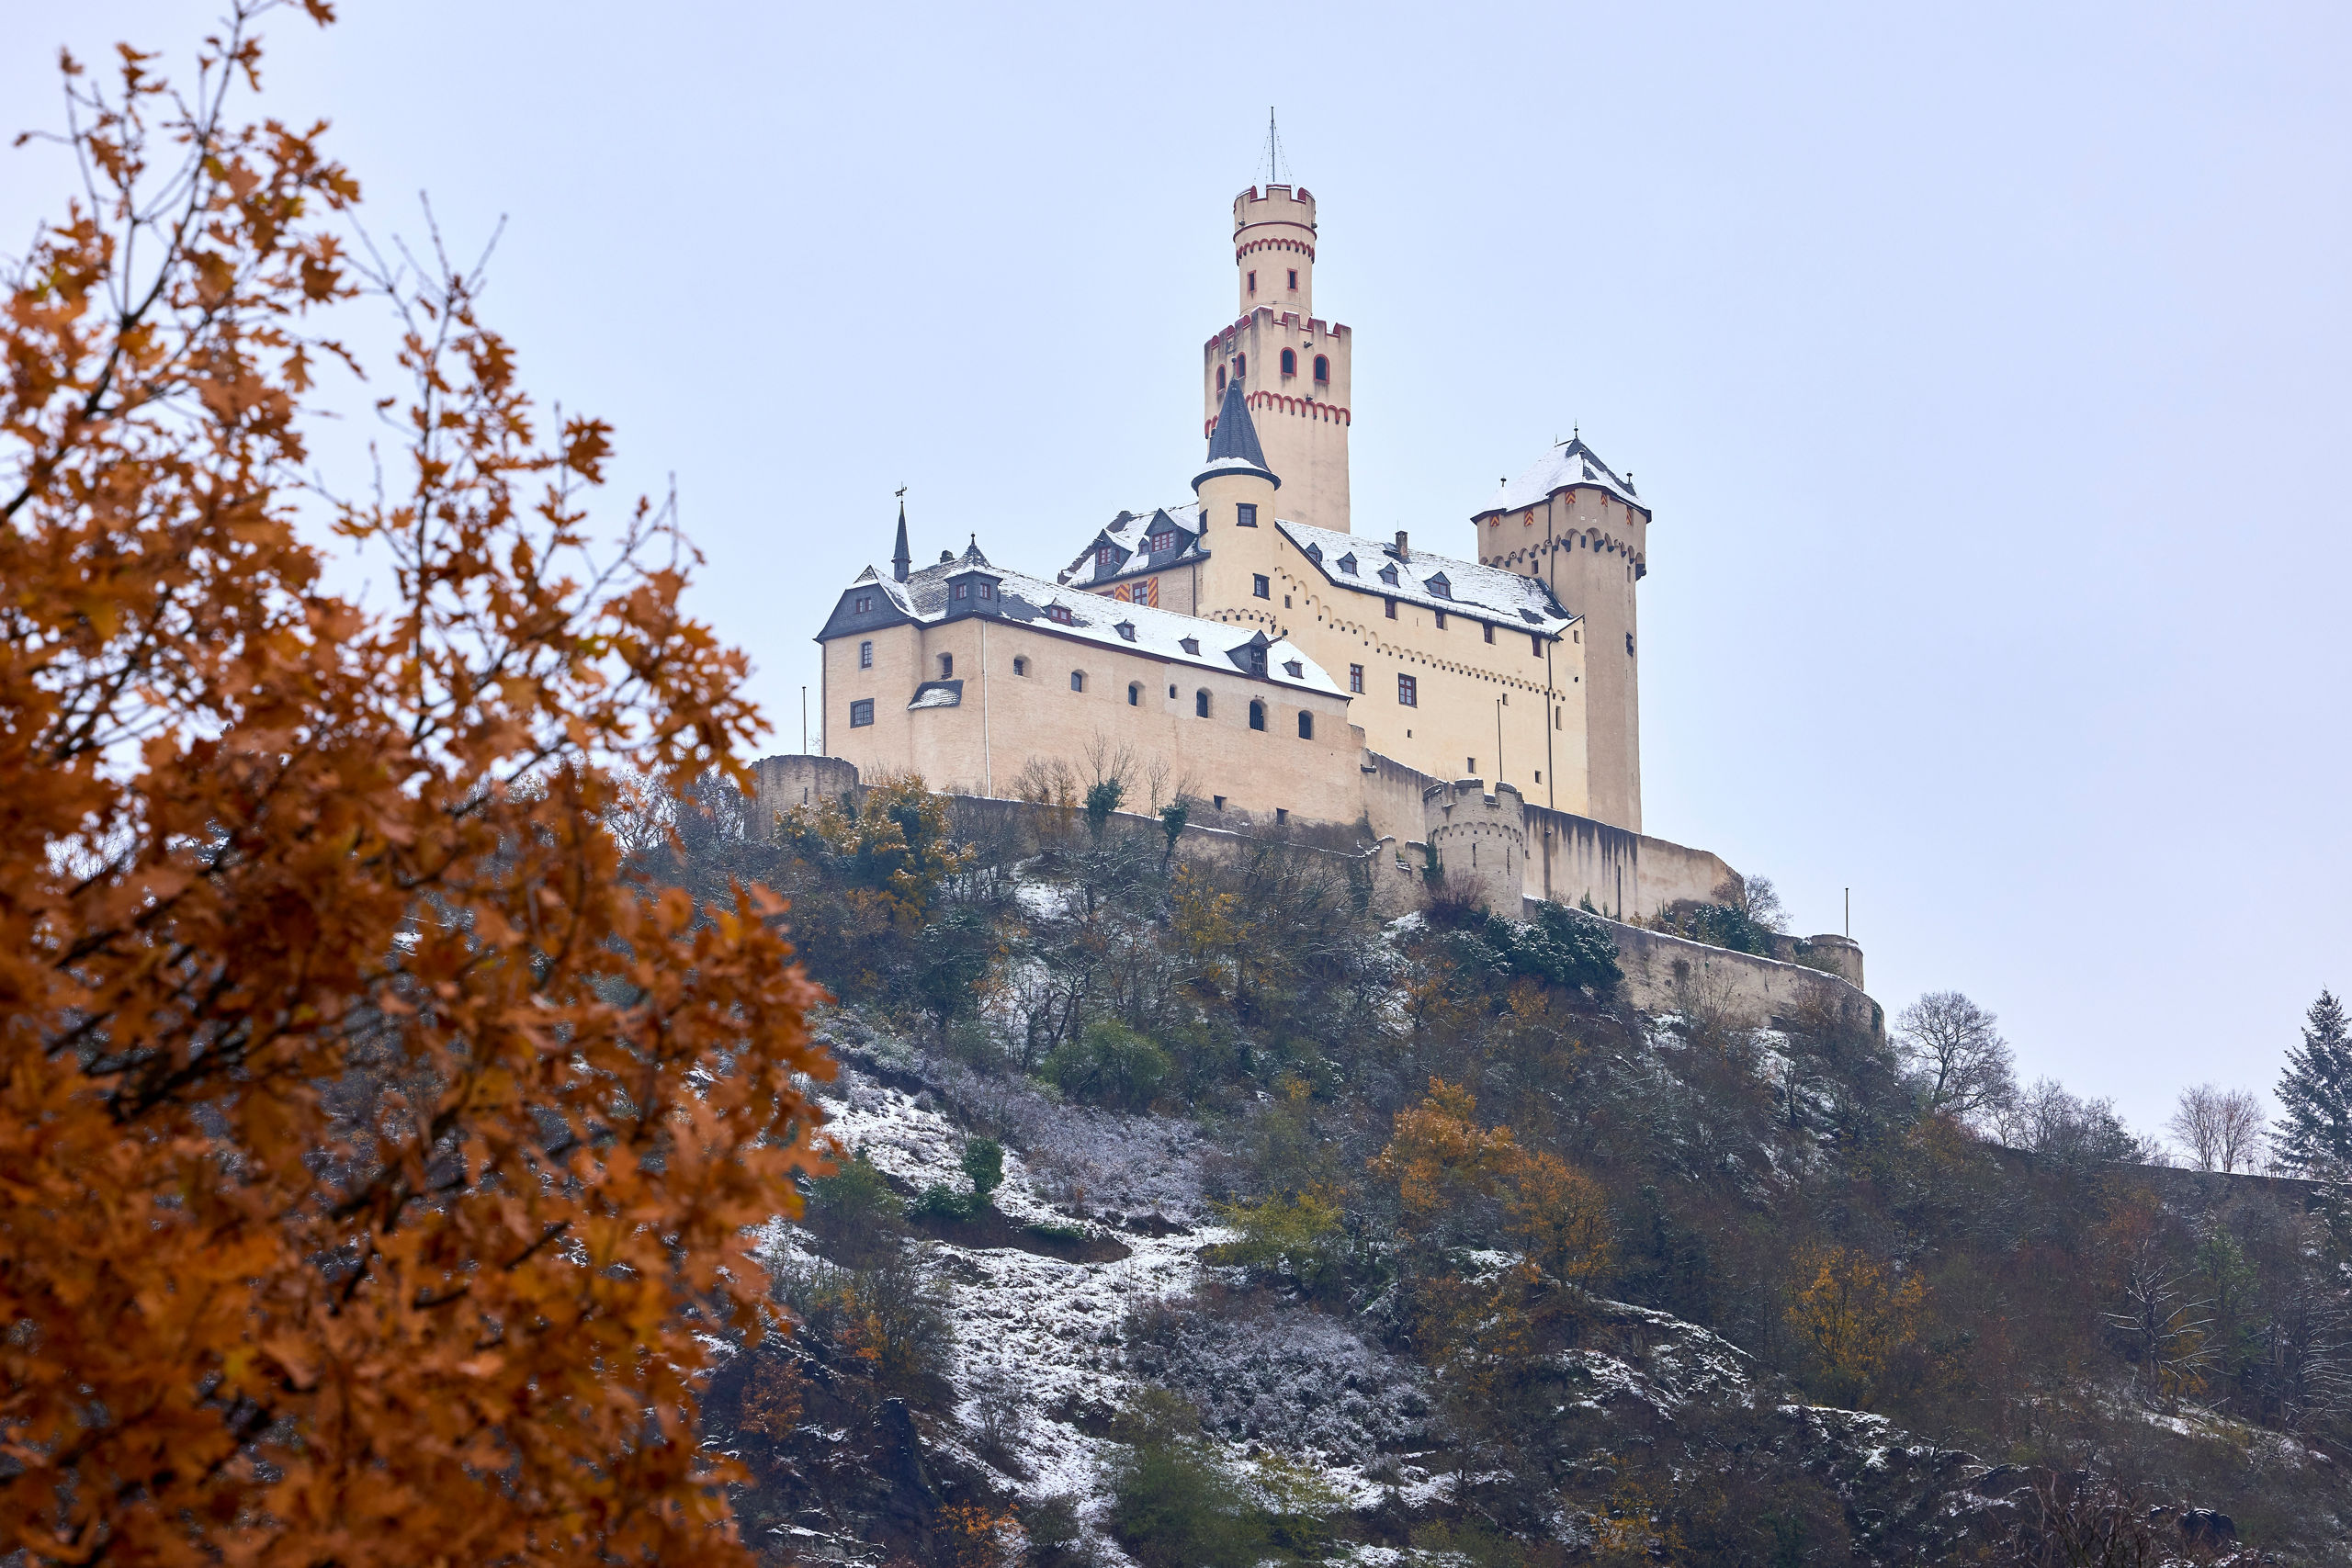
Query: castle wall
[1480,841]
[782,783]
[1572,860]
[1004,717]
[1671,973]
[1591,549]
[1473,695]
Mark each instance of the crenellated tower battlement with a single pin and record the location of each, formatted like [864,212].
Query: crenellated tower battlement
[1479,838]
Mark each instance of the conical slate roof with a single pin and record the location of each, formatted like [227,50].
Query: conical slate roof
[899,558]
[1233,444]
[1235,435]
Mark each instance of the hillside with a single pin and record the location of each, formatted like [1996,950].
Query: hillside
[1193,1212]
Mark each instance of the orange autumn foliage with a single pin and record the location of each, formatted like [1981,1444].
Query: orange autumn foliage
[371,1148]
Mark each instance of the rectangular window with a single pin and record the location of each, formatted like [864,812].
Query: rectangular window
[1392,607]
[1408,691]
[1537,639]
[1441,620]
[1261,587]
[947,666]
[1160,543]
[1106,558]
[960,591]
[1245,514]
[1253,283]
[1356,678]
[865,656]
[865,604]
[861,713]
[1489,630]
[1294,277]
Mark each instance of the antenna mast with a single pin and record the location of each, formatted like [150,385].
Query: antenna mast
[1273,148]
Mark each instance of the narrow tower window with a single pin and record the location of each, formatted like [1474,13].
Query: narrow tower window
[1290,358]
[1240,366]
[1294,279]
[1253,283]
[1245,515]
[947,666]
[1220,378]
[1323,370]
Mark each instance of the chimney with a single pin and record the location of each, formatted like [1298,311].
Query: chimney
[1404,550]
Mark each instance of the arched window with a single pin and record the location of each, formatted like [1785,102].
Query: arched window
[1134,694]
[1256,714]
[1201,703]
[1078,679]
[1290,362]
[1240,366]
[1323,370]
[1305,724]
[1220,378]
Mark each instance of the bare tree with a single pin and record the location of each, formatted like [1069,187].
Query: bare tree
[2219,1128]
[1954,1049]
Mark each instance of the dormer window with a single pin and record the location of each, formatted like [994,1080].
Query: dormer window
[1059,613]
[1388,575]
[1160,543]
[1126,629]
[988,590]
[1348,563]
[1191,645]
[1107,558]
[1293,668]
[1322,370]
[959,591]
[1258,661]
[1314,554]
[1440,586]
[864,605]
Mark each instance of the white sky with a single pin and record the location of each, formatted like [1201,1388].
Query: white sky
[1987,366]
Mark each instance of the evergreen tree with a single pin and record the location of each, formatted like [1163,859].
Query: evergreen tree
[2316,1091]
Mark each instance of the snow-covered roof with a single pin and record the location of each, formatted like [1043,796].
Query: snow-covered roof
[1126,538]
[1136,629]
[1437,582]
[1570,464]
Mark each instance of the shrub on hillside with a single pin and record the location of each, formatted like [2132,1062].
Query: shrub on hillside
[1172,1506]
[1109,1064]
[853,1208]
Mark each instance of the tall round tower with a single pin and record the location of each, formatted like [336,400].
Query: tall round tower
[1294,369]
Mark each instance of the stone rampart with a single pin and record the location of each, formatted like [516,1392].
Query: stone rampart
[1672,973]
[785,782]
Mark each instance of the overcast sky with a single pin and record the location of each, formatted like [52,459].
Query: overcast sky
[1987,367]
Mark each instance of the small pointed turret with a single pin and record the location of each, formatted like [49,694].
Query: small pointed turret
[901,559]
[1233,444]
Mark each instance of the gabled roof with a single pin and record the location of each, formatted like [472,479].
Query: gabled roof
[1032,601]
[1564,467]
[1474,592]
[1128,534]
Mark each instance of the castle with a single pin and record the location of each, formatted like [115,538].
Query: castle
[1478,715]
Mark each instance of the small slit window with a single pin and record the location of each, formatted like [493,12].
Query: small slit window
[1253,283]
[1294,277]
[861,713]
[947,666]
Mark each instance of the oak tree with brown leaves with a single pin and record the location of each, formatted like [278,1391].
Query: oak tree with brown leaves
[375,1152]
